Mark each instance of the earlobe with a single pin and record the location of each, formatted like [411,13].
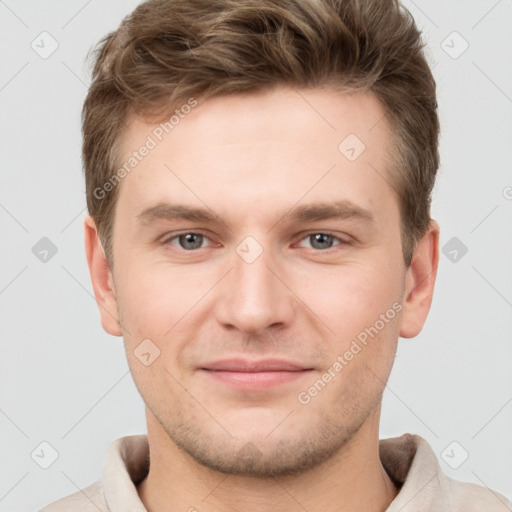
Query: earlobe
[419,283]
[101,277]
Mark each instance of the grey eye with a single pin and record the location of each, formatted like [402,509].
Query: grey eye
[190,241]
[321,241]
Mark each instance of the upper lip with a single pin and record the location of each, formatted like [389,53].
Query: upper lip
[261,365]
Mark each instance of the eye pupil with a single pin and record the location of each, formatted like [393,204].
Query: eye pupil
[324,241]
[191,241]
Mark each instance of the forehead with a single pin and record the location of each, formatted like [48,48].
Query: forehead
[282,147]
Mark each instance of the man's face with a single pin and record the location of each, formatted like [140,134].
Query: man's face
[258,284]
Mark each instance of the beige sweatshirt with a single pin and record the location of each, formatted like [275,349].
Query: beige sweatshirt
[408,459]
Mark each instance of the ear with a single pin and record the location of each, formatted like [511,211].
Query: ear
[419,283]
[102,280]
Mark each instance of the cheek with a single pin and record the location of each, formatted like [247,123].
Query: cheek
[361,307]
[349,298]
[153,298]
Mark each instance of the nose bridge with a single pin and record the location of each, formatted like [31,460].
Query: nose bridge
[252,298]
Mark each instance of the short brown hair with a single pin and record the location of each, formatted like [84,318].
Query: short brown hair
[168,51]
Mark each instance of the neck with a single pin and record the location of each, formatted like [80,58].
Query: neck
[353,479]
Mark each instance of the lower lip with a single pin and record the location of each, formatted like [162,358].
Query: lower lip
[255,380]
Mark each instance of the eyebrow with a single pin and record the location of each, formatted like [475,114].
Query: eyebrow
[340,210]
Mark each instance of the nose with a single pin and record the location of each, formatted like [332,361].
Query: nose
[255,295]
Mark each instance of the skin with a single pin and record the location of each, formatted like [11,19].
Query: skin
[251,159]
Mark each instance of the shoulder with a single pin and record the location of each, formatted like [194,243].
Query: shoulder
[469,497]
[89,499]
[413,466]
[125,463]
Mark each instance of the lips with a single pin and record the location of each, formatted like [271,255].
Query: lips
[257,375]
[246,366]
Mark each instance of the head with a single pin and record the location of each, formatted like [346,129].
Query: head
[259,118]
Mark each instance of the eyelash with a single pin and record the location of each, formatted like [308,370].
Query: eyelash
[168,240]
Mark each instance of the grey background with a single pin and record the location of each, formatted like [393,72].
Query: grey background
[65,382]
